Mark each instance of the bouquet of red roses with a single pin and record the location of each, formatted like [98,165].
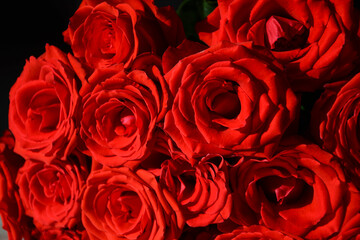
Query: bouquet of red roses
[235,119]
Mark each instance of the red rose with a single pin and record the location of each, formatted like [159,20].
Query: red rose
[51,193]
[173,55]
[11,209]
[44,104]
[202,191]
[316,40]
[104,33]
[300,191]
[121,204]
[120,112]
[228,99]
[63,234]
[351,226]
[255,232]
[146,62]
[335,123]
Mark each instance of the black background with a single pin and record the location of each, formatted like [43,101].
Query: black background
[25,28]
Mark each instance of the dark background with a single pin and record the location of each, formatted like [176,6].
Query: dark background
[25,28]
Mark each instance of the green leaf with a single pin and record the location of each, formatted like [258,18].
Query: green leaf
[193,11]
[208,7]
[187,11]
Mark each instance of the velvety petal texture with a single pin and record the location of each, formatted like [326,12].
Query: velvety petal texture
[106,33]
[44,107]
[51,193]
[202,190]
[255,232]
[63,234]
[11,210]
[120,112]
[120,203]
[315,40]
[335,123]
[229,99]
[250,131]
[301,191]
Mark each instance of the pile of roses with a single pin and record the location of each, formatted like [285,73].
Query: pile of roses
[251,132]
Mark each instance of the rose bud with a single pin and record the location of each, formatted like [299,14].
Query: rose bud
[229,99]
[11,210]
[202,190]
[120,203]
[301,191]
[120,112]
[255,232]
[51,193]
[106,33]
[315,40]
[44,107]
[335,123]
